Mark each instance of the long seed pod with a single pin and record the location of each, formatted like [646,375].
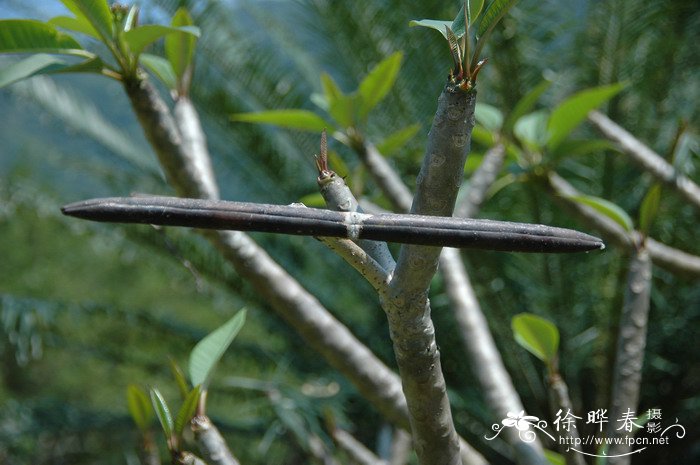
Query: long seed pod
[408,229]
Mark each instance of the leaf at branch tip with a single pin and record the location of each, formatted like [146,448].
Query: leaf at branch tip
[71,23]
[398,139]
[572,111]
[179,376]
[141,37]
[179,47]
[377,84]
[330,89]
[649,208]
[207,353]
[432,24]
[42,63]
[607,208]
[162,412]
[525,105]
[537,335]
[474,8]
[139,406]
[493,14]
[531,129]
[302,120]
[95,12]
[161,68]
[26,36]
[186,412]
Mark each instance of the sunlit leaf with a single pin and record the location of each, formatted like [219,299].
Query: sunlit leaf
[432,24]
[398,139]
[141,37]
[554,458]
[483,136]
[572,111]
[95,12]
[537,335]
[207,353]
[179,47]
[302,120]
[75,24]
[31,66]
[162,412]
[525,105]
[649,208]
[187,410]
[139,406]
[26,36]
[344,109]
[330,88]
[314,200]
[377,84]
[607,208]
[160,67]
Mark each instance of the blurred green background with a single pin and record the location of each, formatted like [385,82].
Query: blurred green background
[86,309]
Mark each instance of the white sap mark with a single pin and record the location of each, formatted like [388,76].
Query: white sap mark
[353,221]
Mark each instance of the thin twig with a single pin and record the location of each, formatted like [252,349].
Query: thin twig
[647,158]
[674,260]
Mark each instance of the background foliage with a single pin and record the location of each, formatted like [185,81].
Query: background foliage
[86,309]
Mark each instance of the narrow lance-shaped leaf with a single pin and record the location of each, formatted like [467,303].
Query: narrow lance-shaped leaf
[139,406]
[179,49]
[187,410]
[31,66]
[436,24]
[572,111]
[207,353]
[492,15]
[377,84]
[27,36]
[180,379]
[162,412]
[303,120]
[96,12]
[398,139]
[537,335]
[649,208]
[607,208]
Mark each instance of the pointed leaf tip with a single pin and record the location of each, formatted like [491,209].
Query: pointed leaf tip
[537,335]
[207,353]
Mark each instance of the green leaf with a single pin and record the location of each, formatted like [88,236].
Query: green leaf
[142,36]
[41,63]
[572,111]
[80,25]
[578,147]
[474,8]
[432,24]
[531,129]
[492,15]
[488,116]
[649,208]
[179,49]
[377,84]
[180,380]
[162,412]
[315,200]
[525,104]
[537,335]
[161,68]
[186,412]
[302,120]
[139,406]
[483,136]
[344,109]
[330,88]
[95,12]
[29,36]
[209,350]
[607,208]
[397,140]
